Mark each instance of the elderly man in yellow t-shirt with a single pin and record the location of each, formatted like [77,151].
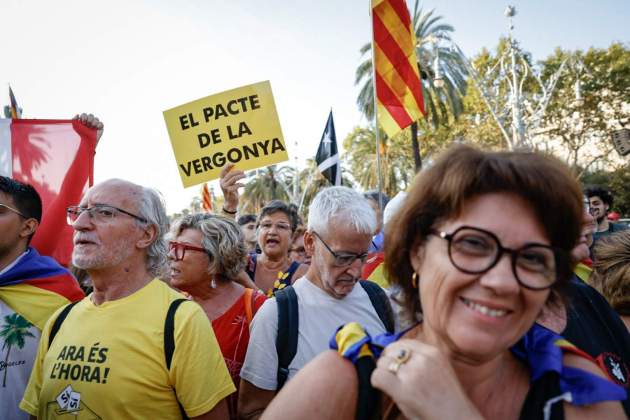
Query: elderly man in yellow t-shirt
[117,354]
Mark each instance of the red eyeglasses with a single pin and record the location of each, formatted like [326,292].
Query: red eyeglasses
[180,249]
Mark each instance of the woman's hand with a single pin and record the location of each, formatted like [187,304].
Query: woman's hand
[422,382]
[229,182]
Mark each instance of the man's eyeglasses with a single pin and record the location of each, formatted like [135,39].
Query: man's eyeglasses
[475,251]
[100,213]
[179,249]
[11,209]
[342,259]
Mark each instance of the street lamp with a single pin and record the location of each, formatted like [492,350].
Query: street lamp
[438,79]
[579,101]
[515,116]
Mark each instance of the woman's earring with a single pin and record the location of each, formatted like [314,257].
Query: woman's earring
[213,283]
[414,280]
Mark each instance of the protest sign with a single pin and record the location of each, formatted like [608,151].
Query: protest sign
[237,126]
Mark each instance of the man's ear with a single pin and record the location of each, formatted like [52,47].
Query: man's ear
[309,243]
[149,234]
[29,227]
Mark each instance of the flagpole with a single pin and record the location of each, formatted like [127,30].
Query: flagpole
[308,184]
[376,130]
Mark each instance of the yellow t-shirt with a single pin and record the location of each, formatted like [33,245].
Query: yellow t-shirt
[107,362]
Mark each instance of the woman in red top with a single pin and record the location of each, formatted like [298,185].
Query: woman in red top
[206,253]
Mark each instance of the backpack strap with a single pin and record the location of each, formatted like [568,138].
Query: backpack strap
[60,318]
[291,271]
[169,343]
[381,304]
[248,300]
[368,397]
[288,323]
[169,331]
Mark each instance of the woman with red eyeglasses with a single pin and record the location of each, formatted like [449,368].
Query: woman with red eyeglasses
[206,253]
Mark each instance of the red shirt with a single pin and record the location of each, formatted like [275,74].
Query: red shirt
[232,332]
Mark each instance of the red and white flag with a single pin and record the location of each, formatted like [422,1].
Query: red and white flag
[57,158]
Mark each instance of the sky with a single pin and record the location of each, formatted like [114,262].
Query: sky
[128,61]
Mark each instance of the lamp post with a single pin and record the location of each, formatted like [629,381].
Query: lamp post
[438,79]
[515,122]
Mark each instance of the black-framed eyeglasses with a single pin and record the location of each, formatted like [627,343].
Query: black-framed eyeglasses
[342,259]
[99,213]
[475,251]
[180,249]
[11,209]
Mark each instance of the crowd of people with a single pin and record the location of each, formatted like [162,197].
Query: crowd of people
[492,288]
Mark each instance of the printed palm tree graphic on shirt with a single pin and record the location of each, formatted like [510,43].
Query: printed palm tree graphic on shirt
[14,331]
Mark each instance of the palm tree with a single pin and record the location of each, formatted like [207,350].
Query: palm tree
[396,168]
[311,182]
[440,103]
[269,183]
[14,330]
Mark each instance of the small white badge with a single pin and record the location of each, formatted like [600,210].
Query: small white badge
[69,400]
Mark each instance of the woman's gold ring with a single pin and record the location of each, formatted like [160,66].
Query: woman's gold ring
[401,358]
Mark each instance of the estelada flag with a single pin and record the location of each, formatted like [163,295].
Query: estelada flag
[397,79]
[57,158]
[327,157]
[36,286]
[206,198]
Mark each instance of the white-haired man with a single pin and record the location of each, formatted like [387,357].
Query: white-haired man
[295,326]
[126,351]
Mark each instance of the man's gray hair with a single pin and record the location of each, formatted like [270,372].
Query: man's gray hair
[222,239]
[151,208]
[343,206]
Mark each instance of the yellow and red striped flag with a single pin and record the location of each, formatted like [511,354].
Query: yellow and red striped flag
[206,198]
[397,79]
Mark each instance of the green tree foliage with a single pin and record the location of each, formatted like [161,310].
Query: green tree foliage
[396,167]
[269,183]
[312,181]
[583,130]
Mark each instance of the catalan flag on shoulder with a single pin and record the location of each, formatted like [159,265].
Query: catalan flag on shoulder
[397,78]
[36,286]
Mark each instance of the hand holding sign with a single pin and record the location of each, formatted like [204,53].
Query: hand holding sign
[238,127]
[230,185]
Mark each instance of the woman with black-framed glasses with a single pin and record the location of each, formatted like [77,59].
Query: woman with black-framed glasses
[480,247]
[206,255]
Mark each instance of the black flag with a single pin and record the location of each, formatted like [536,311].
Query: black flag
[327,157]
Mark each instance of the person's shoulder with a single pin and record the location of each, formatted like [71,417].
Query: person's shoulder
[268,309]
[301,270]
[164,291]
[618,227]
[609,409]
[163,295]
[259,298]
[302,284]
[587,294]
